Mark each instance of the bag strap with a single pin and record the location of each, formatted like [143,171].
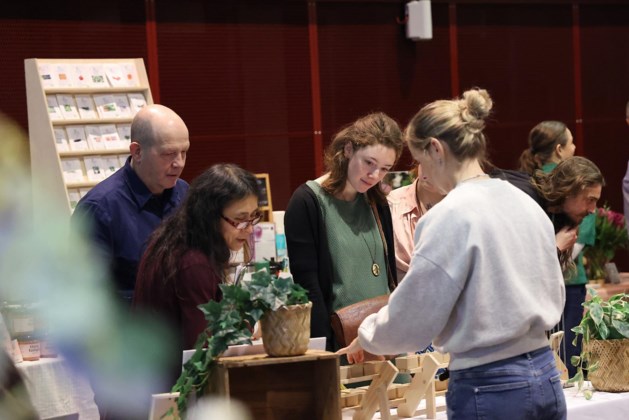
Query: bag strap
[391,281]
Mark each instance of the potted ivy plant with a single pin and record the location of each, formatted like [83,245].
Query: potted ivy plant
[604,329]
[230,322]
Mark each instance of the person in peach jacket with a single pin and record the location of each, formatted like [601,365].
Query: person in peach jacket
[407,205]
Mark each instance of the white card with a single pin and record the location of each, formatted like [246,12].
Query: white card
[96,74]
[114,72]
[86,107]
[72,170]
[76,137]
[94,137]
[111,165]
[62,75]
[106,106]
[94,168]
[73,196]
[123,159]
[54,112]
[124,132]
[122,102]
[61,140]
[130,73]
[68,108]
[47,77]
[137,102]
[80,75]
[110,136]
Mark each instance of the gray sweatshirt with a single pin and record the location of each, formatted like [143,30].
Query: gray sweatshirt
[484,282]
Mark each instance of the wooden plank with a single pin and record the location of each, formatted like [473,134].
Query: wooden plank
[421,385]
[376,392]
[265,359]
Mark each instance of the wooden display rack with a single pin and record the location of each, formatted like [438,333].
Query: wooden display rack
[298,387]
[46,158]
[382,394]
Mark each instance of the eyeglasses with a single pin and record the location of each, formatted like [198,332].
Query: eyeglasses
[243,225]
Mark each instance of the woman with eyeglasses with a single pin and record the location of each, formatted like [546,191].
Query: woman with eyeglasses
[338,226]
[188,255]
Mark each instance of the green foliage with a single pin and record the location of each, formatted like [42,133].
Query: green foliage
[603,320]
[230,322]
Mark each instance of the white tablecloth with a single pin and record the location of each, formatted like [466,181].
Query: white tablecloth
[56,390]
[602,406]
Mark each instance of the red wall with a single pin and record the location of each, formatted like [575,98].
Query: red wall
[241,72]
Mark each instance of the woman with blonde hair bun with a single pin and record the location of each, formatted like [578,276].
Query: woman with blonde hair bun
[484,283]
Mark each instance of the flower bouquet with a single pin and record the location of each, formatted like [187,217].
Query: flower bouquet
[611,234]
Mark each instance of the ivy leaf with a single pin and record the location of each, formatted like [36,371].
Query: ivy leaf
[622,327]
[596,313]
[575,360]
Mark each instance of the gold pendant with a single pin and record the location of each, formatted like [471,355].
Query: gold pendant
[375,269]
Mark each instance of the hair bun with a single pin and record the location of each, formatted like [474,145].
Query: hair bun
[475,107]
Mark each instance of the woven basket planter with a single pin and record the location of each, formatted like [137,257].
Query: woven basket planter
[612,356]
[286,332]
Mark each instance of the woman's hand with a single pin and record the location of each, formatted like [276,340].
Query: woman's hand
[354,352]
[566,237]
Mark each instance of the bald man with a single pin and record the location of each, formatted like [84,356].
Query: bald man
[123,210]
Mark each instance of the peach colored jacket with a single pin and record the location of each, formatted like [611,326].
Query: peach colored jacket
[404,214]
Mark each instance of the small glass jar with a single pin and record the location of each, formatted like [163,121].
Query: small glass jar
[29,347]
[47,348]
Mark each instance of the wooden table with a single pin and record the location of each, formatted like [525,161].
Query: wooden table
[607,290]
[296,387]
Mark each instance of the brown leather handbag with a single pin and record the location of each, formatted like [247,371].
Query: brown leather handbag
[345,321]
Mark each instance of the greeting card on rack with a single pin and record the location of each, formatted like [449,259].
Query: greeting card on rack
[124,132]
[76,137]
[68,107]
[72,170]
[106,106]
[80,75]
[95,137]
[124,109]
[53,108]
[137,101]
[73,197]
[94,168]
[122,159]
[87,109]
[110,136]
[111,165]
[61,140]
[62,74]
[47,77]
[97,76]
[115,74]
[131,74]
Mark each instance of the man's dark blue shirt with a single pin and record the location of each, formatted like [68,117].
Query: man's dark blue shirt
[121,214]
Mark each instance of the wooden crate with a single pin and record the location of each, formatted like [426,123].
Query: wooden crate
[300,387]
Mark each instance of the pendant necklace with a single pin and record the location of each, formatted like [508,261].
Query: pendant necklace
[375,268]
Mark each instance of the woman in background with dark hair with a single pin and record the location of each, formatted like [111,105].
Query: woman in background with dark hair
[570,193]
[188,255]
